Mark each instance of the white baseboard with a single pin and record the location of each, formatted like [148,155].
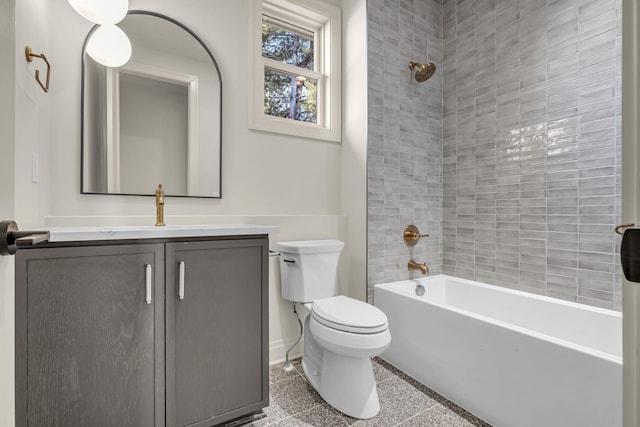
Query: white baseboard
[278,350]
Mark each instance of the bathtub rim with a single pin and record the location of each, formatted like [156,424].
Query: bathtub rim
[392,287]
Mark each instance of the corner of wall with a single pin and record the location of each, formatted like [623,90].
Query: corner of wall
[354,148]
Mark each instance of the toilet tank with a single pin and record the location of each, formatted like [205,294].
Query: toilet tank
[309,269]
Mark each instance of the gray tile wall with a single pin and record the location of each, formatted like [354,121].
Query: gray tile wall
[405,137]
[532,145]
[510,155]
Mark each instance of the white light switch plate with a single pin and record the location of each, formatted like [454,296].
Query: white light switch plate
[35,168]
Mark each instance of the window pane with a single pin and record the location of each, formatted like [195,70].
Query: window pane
[287,46]
[290,97]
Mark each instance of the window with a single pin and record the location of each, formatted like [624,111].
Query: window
[296,68]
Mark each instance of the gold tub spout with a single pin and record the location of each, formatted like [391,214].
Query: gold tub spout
[159,206]
[417,266]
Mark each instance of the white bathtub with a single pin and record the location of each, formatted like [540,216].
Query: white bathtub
[512,358]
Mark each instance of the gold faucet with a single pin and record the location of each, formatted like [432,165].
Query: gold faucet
[159,206]
[417,266]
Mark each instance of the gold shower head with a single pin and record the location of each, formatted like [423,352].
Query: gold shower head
[425,71]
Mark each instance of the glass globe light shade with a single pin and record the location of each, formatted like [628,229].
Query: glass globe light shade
[103,12]
[109,46]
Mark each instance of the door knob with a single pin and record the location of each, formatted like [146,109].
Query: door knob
[11,239]
[630,253]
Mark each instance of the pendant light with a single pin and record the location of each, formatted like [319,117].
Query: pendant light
[109,46]
[102,12]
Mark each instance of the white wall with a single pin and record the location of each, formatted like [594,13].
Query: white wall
[7,107]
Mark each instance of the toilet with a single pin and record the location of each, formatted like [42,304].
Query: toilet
[341,334]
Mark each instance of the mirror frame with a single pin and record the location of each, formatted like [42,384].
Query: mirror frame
[82,105]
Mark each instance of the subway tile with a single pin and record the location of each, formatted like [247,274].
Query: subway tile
[591,9]
[566,292]
[566,227]
[604,60]
[609,248]
[598,181]
[587,113]
[562,262]
[562,19]
[562,245]
[532,282]
[597,280]
[561,211]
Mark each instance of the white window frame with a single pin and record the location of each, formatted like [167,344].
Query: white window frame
[325,20]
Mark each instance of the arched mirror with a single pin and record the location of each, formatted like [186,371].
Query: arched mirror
[155,120]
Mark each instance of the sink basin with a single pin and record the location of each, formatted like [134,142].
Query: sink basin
[121,232]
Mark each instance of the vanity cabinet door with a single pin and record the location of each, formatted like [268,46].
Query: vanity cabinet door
[217,331]
[90,336]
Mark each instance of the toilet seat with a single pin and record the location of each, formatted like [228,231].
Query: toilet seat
[349,315]
[348,343]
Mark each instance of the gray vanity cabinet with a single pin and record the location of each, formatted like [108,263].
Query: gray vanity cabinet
[217,332]
[171,333]
[90,336]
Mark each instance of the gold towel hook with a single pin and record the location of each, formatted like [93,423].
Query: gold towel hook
[30,55]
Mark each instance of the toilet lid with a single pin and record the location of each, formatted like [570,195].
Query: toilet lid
[349,315]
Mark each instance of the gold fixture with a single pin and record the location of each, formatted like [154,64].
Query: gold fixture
[620,227]
[159,206]
[425,71]
[417,266]
[412,235]
[30,55]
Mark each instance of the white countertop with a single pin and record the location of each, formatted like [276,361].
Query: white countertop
[78,234]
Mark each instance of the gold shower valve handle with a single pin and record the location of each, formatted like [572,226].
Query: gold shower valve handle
[412,235]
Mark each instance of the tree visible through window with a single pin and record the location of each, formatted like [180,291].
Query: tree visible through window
[295,68]
[288,95]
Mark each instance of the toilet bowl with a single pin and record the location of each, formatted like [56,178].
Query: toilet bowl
[337,362]
[341,334]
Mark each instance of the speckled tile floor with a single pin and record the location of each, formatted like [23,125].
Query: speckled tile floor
[404,402]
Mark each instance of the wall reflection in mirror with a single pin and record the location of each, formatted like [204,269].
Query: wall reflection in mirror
[157,119]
